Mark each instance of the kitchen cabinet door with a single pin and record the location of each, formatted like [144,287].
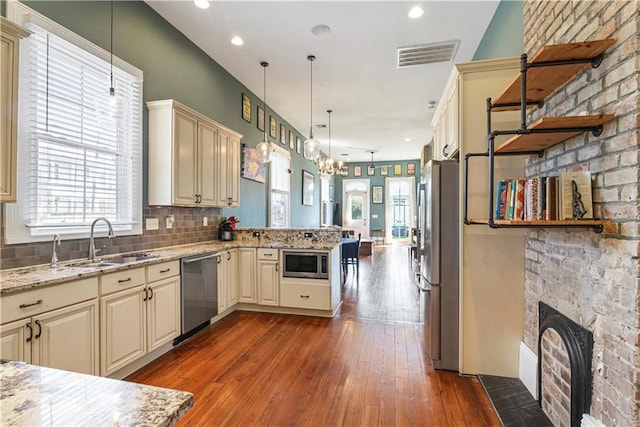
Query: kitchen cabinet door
[13,340]
[222,282]
[9,56]
[247,275]
[185,158]
[228,170]
[68,338]
[268,283]
[122,329]
[232,278]
[163,312]
[207,139]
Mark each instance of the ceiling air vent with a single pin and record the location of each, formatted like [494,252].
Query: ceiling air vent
[427,53]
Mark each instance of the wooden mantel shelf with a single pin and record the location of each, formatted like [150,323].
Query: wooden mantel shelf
[541,81]
[540,141]
[596,224]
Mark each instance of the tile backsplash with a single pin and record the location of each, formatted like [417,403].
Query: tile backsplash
[187,228]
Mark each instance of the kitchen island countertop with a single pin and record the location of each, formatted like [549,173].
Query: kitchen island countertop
[34,395]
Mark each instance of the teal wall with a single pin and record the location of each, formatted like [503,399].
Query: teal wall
[505,35]
[174,67]
[376,179]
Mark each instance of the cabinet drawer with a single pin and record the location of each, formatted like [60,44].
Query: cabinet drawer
[315,297]
[47,298]
[267,253]
[122,280]
[163,270]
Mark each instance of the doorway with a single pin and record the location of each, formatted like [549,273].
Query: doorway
[400,211]
[356,206]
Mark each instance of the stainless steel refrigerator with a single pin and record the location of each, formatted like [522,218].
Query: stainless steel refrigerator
[439,222]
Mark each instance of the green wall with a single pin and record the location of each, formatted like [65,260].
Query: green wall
[376,179]
[505,35]
[176,68]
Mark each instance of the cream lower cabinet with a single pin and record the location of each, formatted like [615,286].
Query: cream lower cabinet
[268,277]
[227,279]
[136,317]
[247,290]
[60,333]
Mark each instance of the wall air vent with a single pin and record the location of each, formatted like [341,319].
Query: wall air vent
[427,53]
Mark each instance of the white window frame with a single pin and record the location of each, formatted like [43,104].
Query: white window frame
[283,174]
[16,229]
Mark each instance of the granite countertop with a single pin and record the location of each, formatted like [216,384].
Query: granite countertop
[25,278]
[33,395]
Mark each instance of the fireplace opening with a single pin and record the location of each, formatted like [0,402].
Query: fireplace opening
[578,346]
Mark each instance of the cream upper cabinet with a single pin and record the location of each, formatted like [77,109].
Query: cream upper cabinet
[55,326]
[445,121]
[247,291]
[228,170]
[201,155]
[9,55]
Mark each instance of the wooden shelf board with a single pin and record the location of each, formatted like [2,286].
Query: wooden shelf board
[542,81]
[542,223]
[541,141]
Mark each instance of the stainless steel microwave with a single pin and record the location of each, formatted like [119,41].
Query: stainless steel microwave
[308,265]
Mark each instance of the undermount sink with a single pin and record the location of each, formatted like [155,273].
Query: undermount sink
[125,259]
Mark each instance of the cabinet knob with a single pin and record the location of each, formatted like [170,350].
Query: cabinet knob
[39,330]
[151,292]
[445,153]
[30,328]
[30,305]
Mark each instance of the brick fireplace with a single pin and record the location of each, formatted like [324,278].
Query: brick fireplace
[565,350]
[592,279]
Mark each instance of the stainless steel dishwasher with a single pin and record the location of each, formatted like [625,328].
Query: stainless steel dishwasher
[199,286]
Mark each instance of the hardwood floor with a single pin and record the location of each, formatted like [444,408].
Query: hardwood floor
[367,366]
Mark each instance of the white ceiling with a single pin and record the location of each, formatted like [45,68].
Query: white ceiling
[376,106]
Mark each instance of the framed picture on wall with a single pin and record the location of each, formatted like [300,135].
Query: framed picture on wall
[260,113]
[272,127]
[376,194]
[357,171]
[246,108]
[283,134]
[397,169]
[411,168]
[307,188]
[371,170]
[292,141]
[384,170]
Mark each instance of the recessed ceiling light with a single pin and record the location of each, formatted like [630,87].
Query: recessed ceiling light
[320,30]
[407,140]
[416,12]
[237,41]
[202,4]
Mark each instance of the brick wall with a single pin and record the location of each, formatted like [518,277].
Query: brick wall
[593,278]
[186,229]
[556,379]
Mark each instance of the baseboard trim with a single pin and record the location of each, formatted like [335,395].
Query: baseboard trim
[528,372]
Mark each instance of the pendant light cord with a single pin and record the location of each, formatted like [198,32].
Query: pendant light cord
[311,58]
[264,93]
[111,89]
[330,111]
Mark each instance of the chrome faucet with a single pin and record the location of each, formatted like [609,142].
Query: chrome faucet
[92,246]
[54,255]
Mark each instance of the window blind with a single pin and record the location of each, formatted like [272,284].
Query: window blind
[85,151]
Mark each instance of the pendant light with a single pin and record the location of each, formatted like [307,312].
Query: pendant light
[327,166]
[311,145]
[264,148]
[112,89]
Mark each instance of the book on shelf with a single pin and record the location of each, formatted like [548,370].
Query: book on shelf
[575,195]
[567,196]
